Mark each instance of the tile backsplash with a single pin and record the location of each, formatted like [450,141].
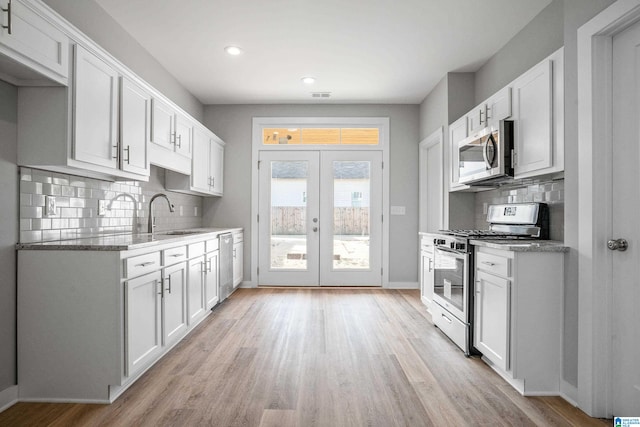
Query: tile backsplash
[549,192]
[77,200]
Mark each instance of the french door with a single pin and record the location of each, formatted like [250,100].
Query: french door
[320,218]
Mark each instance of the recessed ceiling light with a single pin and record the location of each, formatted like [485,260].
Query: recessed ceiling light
[308,80]
[233,50]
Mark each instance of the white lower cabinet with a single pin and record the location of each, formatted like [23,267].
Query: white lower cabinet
[518,316]
[89,331]
[426,271]
[143,321]
[197,271]
[211,278]
[492,318]
[238,254]
[174,302]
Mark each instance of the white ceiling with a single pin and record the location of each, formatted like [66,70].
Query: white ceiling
[374,51]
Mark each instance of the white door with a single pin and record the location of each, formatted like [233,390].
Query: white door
[320,218]
[350,223]
[174,302]
[216,166]
[625,343]
[288,214]
[163,125]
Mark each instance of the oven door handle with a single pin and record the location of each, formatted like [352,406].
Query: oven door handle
[451,251]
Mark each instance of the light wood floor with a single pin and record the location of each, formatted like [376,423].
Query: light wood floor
[300,357]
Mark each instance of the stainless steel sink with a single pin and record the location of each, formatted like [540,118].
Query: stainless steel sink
[179,232]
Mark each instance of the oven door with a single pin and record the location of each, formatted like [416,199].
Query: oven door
[451,282]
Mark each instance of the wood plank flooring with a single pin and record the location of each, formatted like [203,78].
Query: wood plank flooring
[314,357]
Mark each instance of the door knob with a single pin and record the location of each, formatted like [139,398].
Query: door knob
[618,245]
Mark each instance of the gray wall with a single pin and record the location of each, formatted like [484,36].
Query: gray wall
[233,123]
[542,36]
[8,233]
[92,20]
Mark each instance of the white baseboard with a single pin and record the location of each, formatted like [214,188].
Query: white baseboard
[247,284]
[8,397]
[569,392]
[403,285]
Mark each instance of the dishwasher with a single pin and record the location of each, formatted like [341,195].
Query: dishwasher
[226,265]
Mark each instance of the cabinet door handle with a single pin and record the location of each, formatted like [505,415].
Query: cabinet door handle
[203,267]
[481,121]
[209,266]
[128,154]
[172,138]
[179,139]
[161,293]
[8,10]
[169,280]
[430,265]
[144,264]
[115,148]
[234,253]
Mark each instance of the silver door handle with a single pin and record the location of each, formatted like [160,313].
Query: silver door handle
[144,264]
[128,150]
[618,245]
[169,288]
[446,318]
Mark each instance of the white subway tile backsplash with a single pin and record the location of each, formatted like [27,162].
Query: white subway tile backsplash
[77,202]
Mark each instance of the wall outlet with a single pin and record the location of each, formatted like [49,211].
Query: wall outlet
[50,206]
[102,207]
[398,210]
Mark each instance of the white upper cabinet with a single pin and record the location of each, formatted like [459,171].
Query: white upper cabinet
[499,107]
[95,110]
[491,111]
[200,171]
[32,50]
[216,166]
[539,119]
[171,137]
[135,127]
[457,132]
[206,175]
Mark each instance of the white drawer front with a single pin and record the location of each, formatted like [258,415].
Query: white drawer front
[238,237]
[212,245]
[174,255]
[450,325]
[494,264]
[141,264]
[196,249]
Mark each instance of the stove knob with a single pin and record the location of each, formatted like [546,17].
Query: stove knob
[461,246]
[452,245]
[440,241]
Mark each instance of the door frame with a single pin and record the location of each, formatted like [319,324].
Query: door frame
[259,123]
[595,213]
[436,138]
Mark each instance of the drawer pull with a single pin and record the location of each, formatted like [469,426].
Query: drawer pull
[446,318]
[144,264]
[177,255]
[490,264]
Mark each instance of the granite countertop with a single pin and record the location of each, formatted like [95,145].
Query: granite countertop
[522,245]
[123,242]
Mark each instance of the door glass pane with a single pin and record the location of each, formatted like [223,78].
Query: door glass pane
[351,195]
[289,214]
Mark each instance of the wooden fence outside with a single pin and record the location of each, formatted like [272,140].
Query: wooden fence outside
[290,220]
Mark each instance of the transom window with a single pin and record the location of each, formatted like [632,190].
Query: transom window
[321,136]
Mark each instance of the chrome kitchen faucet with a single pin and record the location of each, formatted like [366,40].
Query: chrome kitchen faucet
[152,219]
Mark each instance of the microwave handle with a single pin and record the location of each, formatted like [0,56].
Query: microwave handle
[485,151]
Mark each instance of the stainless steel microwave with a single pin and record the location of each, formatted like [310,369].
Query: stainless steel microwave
[486,156]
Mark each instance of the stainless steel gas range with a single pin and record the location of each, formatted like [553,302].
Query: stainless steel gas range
[453,267]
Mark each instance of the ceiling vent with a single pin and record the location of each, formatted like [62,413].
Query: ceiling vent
[321,94]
